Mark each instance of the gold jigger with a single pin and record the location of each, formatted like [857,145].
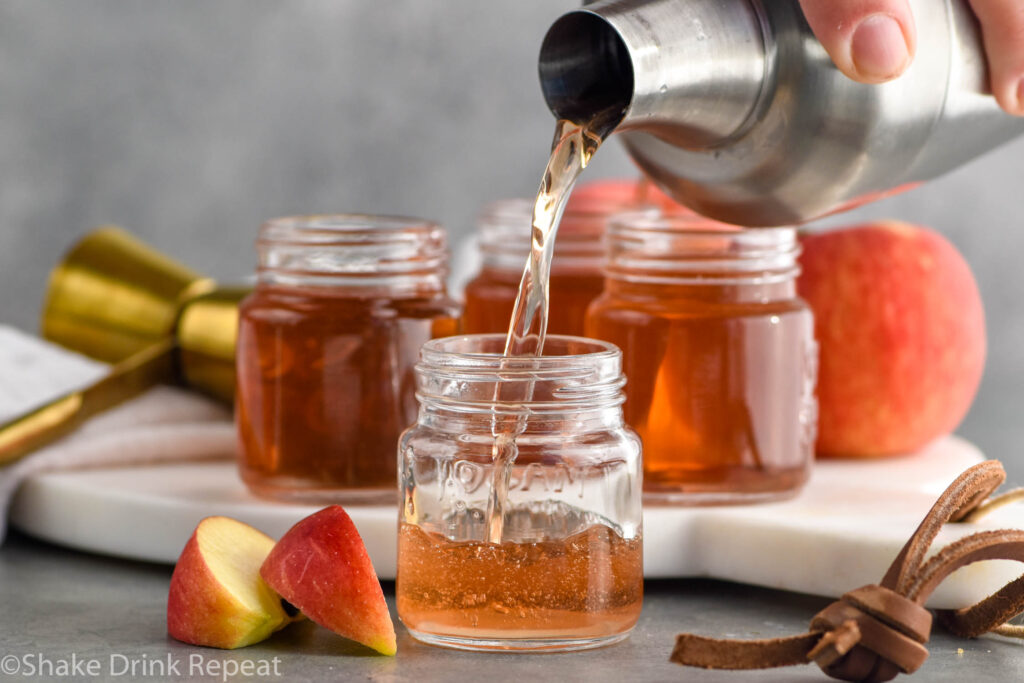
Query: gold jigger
[113,296]
[207,332]
[115,299]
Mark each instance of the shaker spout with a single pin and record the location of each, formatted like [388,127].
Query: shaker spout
[586,70]
[690,73]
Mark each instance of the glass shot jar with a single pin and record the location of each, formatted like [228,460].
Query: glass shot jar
[327,342]
[720,356]
[576,269]
[531,543]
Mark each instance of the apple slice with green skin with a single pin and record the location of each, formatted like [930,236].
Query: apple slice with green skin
[321,566]
[217,597]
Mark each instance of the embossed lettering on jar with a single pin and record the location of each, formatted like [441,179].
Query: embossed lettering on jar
[566,571]
[720,356]
[326,348]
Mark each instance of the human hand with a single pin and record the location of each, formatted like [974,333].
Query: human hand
[873,41]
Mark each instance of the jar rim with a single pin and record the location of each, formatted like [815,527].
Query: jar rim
[337,229]
[469,374]
[681,249]
[397,254]
[446,349]
[701,226]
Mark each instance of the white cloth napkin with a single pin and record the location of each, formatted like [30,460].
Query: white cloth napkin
[164,424]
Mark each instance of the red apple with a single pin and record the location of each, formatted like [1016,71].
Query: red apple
[321,566]
[620,194]
[217,597]
[598,194]
[901,331]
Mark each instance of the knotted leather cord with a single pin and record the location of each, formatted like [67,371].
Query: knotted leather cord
[875,632]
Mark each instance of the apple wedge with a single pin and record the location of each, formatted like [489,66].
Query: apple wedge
[321,567]
[217,597]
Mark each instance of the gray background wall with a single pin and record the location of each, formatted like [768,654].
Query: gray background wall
[190,121]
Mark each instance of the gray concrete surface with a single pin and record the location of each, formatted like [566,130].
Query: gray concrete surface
[58,604]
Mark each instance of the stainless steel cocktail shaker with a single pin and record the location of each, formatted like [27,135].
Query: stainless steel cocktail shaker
[735,109]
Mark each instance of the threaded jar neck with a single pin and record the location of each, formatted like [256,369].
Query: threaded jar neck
[399,256]
[504,234]
[692,250]
[469,375]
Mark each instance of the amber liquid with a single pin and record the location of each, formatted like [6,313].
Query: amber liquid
[588,585]
[716,384]
[326,386]
[491,296]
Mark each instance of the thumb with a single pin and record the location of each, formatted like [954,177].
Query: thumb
[871,41]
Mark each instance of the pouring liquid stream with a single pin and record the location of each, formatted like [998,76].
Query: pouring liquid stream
[573,147]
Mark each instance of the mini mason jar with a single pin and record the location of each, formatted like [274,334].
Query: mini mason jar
[327,342]
[720,356]
[520,526]
[576,270]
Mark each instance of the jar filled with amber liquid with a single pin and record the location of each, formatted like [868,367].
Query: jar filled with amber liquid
[720,356]
[520,526]
[576,270]
[327,342]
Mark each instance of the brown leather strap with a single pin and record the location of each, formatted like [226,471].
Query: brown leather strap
[998,608]
[875,632]
[966,492]
[714,653]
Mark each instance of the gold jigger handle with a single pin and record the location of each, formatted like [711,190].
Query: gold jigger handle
[127,379]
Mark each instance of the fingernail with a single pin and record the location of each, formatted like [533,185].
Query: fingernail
[878,48]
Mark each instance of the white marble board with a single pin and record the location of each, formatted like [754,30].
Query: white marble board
[841,532]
